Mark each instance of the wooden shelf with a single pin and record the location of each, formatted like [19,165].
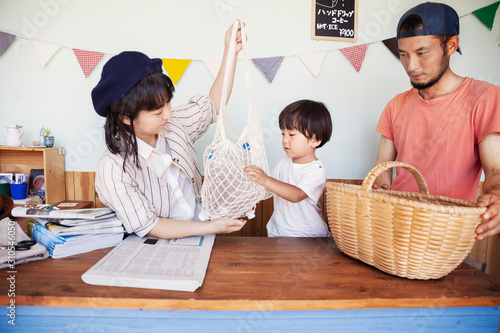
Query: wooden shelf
[51,160]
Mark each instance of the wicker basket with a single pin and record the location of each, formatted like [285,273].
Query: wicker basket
[408,234]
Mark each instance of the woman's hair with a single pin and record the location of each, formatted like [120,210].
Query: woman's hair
[151,93]
[310,118]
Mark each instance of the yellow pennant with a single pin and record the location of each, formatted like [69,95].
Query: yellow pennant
[175,68]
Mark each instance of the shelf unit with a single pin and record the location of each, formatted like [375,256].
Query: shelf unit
[51,160]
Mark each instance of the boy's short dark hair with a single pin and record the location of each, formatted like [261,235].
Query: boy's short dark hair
[310,118]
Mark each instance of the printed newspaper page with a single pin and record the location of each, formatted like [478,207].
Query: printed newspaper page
[105,226]
[173,264]
[86,213]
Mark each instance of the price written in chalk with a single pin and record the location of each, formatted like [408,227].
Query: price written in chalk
[346,32]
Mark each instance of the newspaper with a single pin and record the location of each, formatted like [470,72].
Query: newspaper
[172,264]
[86,213]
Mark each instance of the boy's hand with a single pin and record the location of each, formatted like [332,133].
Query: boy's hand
[256,174]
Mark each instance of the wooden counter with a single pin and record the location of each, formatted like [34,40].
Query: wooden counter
[260,276]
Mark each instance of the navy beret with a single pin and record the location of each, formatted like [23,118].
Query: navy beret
[119,75]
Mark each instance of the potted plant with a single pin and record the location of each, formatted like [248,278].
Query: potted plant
[48,140]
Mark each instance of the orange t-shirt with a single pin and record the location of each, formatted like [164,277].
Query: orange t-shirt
[440,137]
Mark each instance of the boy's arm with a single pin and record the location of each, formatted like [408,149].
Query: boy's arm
[286,191]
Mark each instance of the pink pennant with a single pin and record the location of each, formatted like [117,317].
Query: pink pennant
[87,60]
[355,54]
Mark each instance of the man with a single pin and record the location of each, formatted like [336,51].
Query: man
[447,126]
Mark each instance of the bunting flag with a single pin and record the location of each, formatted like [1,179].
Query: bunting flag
[487,14]
[5,40]
[212,66]
[355,55]
[268,66]
[87,60]
[175,68]
[44,51]
[313,61]
[392,45]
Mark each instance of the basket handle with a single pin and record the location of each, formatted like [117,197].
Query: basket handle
[378,169]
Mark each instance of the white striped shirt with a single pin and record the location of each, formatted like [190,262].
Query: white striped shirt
[140,197]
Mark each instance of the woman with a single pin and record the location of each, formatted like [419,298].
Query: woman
[150,174]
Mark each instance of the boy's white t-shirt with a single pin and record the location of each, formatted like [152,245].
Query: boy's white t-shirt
[303,218]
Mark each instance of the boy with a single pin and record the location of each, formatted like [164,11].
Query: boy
[299,179]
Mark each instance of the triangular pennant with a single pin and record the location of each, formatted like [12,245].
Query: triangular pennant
[213,66]
[313,61]
[487,14]
[5,40]
[392,45]
[44,51]
[175,68]
[87,60]
[355,55]
[268,66]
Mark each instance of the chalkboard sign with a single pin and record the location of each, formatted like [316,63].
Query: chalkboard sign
[335,20]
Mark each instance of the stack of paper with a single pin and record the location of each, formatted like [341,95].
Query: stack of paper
[64,246]
[69,227]
[72,231]
[61,214]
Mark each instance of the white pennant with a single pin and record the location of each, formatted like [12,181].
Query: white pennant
[44,51]
[313,61]
[213,66]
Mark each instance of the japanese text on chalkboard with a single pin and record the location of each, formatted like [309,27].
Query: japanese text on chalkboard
[334,20]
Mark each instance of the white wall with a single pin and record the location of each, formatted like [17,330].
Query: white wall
[58,96]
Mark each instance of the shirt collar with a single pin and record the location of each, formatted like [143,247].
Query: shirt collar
[146,150]
[143,148]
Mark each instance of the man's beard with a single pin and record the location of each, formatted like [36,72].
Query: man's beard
[444,66]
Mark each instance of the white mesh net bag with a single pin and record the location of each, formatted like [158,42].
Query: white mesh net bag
[226,190]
